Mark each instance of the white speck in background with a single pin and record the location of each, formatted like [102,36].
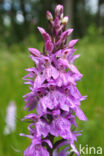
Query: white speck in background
[10,118]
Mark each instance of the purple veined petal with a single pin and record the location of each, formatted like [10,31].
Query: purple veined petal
[30,82]
[30,75]
[28,94]
[65,79]
[76,77]
[27,79]
[71,103]
[56,112]
[64,107]
[38,81]
[67,32]
[31,105]
[59,82]
[54,72]
[64,152]
[58,54]
[74,149]
[68,142]
[32,69]
[70,79]
[79,113]
[64,36]
[50,72]
[44,152]
[63,102]
[45,35]
[70,51]
[43,104]
[34,52]
[49,46]
[36,149]
[74,58]
[72,43]
[82,98]
[48,142]
[60,65]
[31,116]
[49,84]
[31,129]
[47,73]
[42,31]
[78,133]
[57,25]
[54,96]
[28,136]
[61,127]
[74,92]
[30,101]
[42,128]
[74,136]
[70,55]
[75,70]
[45,61]
[67,54]
[71,118]
[74,102]
[64,62]
[35,59]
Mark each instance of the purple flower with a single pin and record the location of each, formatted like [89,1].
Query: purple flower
[64,152]
[61,127]
[36,148]
[53,91]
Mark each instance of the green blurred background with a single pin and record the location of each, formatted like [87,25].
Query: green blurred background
[18,31]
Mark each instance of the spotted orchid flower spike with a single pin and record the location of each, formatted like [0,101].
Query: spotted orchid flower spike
[53,92]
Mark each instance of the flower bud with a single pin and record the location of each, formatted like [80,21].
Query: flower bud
[49,16]
[59,10]
[65,20]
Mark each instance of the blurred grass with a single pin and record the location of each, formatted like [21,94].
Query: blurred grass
[91,64]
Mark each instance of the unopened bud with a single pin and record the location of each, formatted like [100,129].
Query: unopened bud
[65,20]
[49,16]
[59,10]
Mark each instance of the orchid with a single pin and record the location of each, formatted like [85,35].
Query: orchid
[53,91]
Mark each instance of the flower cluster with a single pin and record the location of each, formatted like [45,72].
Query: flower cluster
[53,91]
